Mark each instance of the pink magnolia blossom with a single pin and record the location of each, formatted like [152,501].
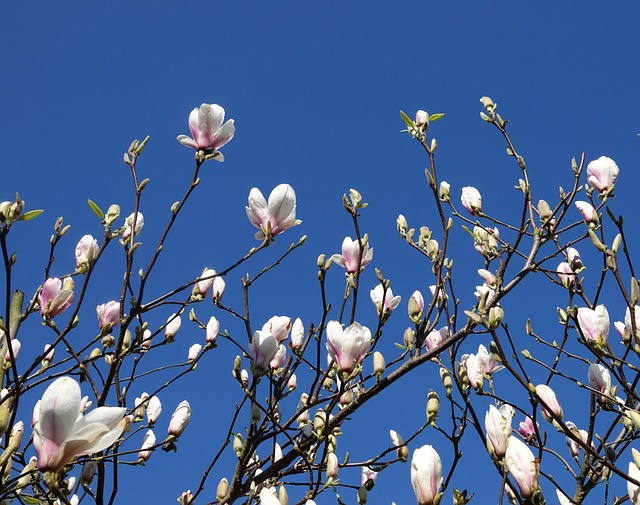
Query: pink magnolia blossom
[487,277]
[523,467]
[262,349]
[15,350]
[213,329]
[108,315]
[278,358]
[180,419]
[368,477]
[485,241]
[194,351]
[594,324]
[387,304]
[202,287]
[153,409]
[132,228]
[148,442]
[422,117]
[86,253]
[426,474]
[582,435]
[574,259]
[602,173]
[208,131]
[351,253]
[436,337]
[279,327]
[347,348]
[497,423]
[275,216]
[471,200]
[297,334]
[218,289]
[548,396]
[332,466]
[171,329]
[565,274]
[55,296]
[474,370]
[61,432]
[628,321]
[600,380]
[488,363]
[589,214]
[416,306]
[526,429]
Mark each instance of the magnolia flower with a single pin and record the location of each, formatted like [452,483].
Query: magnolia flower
[368,477]
[526,429]
[594,324]
[602,173]
[546,395]
[347,347]
[48,354]
[86,253]
[180,419]
[154,409]
[386,304]
[351,254]
[279,327]
[148,441]
[589,214]
[574,259]
[129,227]
[498,426]
[332,466]
[565,274]
[108,315]
[471,200]
[15,350]
[201,288]
[600,380]
[523,467]
[213,328]
[488,363]
[171,329]
[632,489]
[474,371]
[422,117]
[61,432]
[629,323]
[485,241]
[278,358]
[580,434]
[436,337]
[55,296]
[426,474]
[416,306]
[209,134]
[218,289]
[262,349]
[444,191]
[297,334]
[276,216]
[487,277]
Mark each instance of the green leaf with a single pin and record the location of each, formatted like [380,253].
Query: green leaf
[30,499]
[435,117]
[409,122]
[95,208]
[32,214]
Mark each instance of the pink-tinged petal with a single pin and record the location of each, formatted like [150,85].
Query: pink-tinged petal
[187,141]
[225,134]
[632,489]
[282,202]
[109,416]
[59,410]
[257,209]
[523,467]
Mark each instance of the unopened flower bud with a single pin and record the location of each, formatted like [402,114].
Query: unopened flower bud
[319,421]
[283,497]
[378,363]
[409,338]
[113,213]
[180,419]
[238,444]
[445,191]
[222,490]
[446,379]
[495,317]
[88,472]
[433,406]
[401,223]
[332,467]
[544,210]
[173,325]
[362,495]
[256,414]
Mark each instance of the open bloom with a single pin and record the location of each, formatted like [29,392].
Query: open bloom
[61,432]
[436,337]
[602,173]
[279,327]
[55,296]
[351,254]
[471,200]
[347,347]
[523,466]
[526,429]
[594,324]
[600,380]
[275,216]
[426,474]
[86,253]
[498,426]
[386,304]
[209,134]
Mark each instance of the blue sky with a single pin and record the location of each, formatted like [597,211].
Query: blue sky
[315,91]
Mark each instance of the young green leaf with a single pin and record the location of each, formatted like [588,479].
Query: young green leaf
[409,122]
[95,208]
[435,117]
[32,214]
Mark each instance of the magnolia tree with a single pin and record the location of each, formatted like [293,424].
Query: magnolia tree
[69,421]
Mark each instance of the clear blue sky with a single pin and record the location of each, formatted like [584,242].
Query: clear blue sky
[315,91]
